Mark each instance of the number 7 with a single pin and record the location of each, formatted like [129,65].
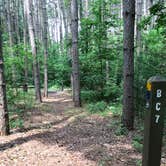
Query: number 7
[157,118]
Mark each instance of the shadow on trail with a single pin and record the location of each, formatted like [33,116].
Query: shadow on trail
[92,136]
[93,139]
[40,126]
[49,112]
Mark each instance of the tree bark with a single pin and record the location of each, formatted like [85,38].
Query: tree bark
[25,85]
[17,28]
[4,119]
[138,31]
[148,5]
[11,36]
[107,71]
[128,71]
[64,17]
[69,22]
[36,19]
[28,4]
[75,57]
[86,8]
[45,45]
[80,9]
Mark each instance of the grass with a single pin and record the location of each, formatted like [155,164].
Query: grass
[116,109]
[138,162]
[103,109]
[57,88]
[54,88]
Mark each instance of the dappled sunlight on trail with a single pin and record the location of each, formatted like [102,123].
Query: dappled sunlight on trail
[56,133]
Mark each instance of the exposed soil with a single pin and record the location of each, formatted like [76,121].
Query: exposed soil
[56,134]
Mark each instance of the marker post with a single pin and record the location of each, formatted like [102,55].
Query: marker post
[154,121]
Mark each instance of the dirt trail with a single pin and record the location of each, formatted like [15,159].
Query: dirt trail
[56,134]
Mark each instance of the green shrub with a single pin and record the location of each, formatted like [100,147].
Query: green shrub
[138,146]
[138,138]
[90,96]
[138,162]
[116,109]
[18,104]
[16,123]
[112,92]
[121,130]
[97,107]
[137,143]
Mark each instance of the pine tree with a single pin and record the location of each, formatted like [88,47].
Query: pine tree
[75,57]
[128,70]
[4,119]
[28,5]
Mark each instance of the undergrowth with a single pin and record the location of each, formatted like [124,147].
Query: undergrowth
[18,104]
[104,109]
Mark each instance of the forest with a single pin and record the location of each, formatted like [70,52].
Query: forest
[74,87]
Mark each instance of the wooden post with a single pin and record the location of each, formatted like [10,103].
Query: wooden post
[154,121]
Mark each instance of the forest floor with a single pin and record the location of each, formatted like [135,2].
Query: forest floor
[57,134]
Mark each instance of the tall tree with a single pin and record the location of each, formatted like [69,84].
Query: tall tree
[25,31]
[28,6]
[37,6]
[138,31]
[45,45]
[4,119]
[128,70]
[80,9]
[60,23]
[86,8]
[11,35]
[64,16]
[16,19]
[75,56]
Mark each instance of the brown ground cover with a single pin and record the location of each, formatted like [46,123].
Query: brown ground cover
[56,134]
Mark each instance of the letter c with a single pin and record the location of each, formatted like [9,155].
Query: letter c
[158,106]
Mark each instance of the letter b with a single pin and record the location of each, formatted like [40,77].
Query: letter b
[159,93]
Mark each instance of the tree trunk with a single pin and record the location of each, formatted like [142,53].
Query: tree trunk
[121,9]
[80,9]
[45,45]
[60,29]
[138,31]
[128,71]
[25,85]
[107,71]
[17,28]
[86,8]
[4,119]
[64,17]
[75,58]
[28,4]
[68,11]
[149,4]
[11,38]
[36,19]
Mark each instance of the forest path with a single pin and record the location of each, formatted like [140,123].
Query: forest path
[57,134]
